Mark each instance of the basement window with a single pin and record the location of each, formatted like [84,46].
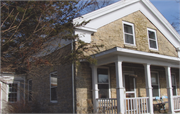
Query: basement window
[129,34]
[152,39]
[53,87]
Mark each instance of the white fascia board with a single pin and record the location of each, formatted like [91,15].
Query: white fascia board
[103,11]
[141,54]
[160,22]
[86,29]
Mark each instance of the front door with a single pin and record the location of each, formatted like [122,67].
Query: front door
[130,92]
[130,86]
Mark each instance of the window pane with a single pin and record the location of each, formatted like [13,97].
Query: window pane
[53,80]
[153,44]
[30,85]
[103,90]
[102,71]
[54,93]
[151,35]
[174,90]
[155,91]
[12,97]
[54,86]
[128,29]
[102,78]
[129,83]
[154,79]
[173,79]
[129,39]
[30,96]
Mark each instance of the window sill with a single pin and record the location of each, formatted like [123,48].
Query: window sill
[154,51]
[52,103]
[130,46]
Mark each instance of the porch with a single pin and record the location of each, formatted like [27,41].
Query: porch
[130,83]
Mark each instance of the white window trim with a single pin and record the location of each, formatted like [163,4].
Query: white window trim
[131,24]
[157,84]
[152,30]
[108,80]
[52,101]
[129,73]
[18,92]
[175,82]
[28,90]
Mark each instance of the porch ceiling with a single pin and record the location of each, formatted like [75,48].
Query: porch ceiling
[127,55]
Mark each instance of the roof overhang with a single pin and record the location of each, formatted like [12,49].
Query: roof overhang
[134,56]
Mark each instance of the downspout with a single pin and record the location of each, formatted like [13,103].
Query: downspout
[73,80]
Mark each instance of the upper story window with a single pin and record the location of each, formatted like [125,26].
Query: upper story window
[152,39]
[129,35]
[53,87]
[29,90]
[155,83]
[13,95]
[103,83]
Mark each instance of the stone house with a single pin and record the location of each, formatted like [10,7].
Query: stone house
[138,64]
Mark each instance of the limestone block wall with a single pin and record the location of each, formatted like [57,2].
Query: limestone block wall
[111,35]
[40,77]
[83,82]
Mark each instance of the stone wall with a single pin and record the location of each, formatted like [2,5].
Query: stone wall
[40,77]
[111,35]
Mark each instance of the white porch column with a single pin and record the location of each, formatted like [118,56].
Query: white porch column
[149,87]
[169,89]
[94,87]
[119,87]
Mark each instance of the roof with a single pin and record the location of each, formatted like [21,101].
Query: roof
[123,8]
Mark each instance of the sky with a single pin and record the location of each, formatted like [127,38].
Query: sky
[170,9]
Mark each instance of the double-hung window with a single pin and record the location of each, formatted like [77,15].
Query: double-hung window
[129,35]
[29,90]
[155,83]
[13,92]
[103,83]
[53,87]
[152,39]
[173,78]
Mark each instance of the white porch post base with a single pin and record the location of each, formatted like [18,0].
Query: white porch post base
[149,87]
[119,88]
[169,90]
[94,87]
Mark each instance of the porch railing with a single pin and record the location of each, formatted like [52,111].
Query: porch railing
[107,105]
[176,100]
[138,105]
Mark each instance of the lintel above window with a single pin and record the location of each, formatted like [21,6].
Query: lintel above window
[129,34]
[152,39]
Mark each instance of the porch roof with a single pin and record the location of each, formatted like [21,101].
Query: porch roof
[135,56]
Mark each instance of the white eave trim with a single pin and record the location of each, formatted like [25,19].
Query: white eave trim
[120,51]
[161,18]
[86,29]
[105,10]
